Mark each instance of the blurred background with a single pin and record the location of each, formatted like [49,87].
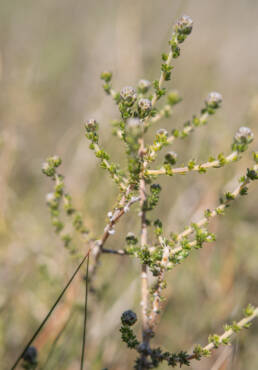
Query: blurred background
[51,55]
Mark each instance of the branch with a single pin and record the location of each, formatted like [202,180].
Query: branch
[215,340]
[212,103]
[183,358]
[124,207]
[220,162]
[230,196]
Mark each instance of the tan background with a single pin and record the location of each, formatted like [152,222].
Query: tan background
[51,55]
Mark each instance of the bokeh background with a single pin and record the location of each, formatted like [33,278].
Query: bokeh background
[51,55]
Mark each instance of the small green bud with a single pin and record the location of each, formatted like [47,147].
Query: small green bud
[244,135]
[48,170]
[129,318]
[255,157]
[131,239]
[170,158]
[144,86]
[184,25]
[128,94]
[249,310]
[173,98]
[54,161]
[91,125]
[106,76]
[213,100]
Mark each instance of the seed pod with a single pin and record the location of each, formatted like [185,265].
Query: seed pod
[170,158]
[129,318]
[131,239]
[30,355]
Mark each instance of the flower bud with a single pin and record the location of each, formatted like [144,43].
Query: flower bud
[91,125]
[129,318]
[214,100]
[144,86]
[128,94]
[131,239]
[184,25]
[170,158]
[244,135]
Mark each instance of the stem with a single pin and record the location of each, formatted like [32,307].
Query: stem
[213,213]
[123,207]
[162,78]
[157,300]
[183,170]
[241,324]
[85,315]
[144,268]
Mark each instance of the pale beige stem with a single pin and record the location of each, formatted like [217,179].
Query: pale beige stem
[144,269]
[204,166]
[213,213]
[228,333]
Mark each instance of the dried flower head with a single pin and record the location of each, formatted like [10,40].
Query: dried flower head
[184,25]
[91,125]
[214,100]
[144,86]
[144,105]
[129,318]
[128,94]
[244,135]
